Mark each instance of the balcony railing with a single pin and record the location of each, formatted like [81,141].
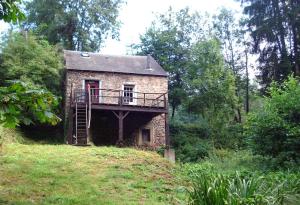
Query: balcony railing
[119,97]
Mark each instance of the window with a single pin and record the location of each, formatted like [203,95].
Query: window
[128,94]
[146,138]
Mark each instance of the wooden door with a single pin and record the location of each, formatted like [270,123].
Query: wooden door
[94,86]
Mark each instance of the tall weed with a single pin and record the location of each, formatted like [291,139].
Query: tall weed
[245,189]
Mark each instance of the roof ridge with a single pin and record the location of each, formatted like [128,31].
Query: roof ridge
[104,54]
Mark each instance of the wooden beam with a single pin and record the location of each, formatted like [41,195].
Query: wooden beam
[121,126]
[121,116]
[125,114]
[116,114]
[129,108]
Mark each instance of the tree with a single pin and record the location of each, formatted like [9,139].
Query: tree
[25,57]
[211,87]
[78,25]
[10,11]
[274,130]
[169,40]
[23,103]
[275,27]
[230,34]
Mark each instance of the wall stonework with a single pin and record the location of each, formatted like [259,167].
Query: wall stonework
[143,83]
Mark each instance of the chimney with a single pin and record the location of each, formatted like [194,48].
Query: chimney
[148,66]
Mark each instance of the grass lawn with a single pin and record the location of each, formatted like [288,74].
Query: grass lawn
[62,174]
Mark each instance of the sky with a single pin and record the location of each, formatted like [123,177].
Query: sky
[137,15]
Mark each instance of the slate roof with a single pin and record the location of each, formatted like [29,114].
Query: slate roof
[74,60]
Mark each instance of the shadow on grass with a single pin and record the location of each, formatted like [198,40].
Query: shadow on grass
[43,134]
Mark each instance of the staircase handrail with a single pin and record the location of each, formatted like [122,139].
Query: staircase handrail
[89,106]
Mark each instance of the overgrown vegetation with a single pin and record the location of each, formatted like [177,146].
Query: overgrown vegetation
[245,189]
[274,130]
[22,103]
[229,177]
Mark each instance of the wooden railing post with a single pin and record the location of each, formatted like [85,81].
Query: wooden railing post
[76,123]
[121,97]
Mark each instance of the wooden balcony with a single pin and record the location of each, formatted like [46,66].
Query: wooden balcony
[110,99]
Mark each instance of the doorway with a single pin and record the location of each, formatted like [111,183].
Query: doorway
[95,91]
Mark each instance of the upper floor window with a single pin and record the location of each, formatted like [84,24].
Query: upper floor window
[128,94]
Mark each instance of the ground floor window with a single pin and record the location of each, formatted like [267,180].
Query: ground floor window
[146,137]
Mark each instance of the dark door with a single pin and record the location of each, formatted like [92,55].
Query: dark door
[94,86]
[146,137]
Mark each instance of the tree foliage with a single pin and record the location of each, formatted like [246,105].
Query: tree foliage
[10,11]
[275,130]
[27,58]
[78,25]
[22,103]
[275,27]
[211,87]
[169,40]
[235,46]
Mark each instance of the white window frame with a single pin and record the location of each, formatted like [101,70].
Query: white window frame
[100,86]
[134,102]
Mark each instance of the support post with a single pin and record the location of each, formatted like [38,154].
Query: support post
[120,126]
[121,116]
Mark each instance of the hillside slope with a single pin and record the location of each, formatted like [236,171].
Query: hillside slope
[62,174]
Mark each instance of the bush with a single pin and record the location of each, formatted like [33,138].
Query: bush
[274,131]
[190,142]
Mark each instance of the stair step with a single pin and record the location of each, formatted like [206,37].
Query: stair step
[81,137]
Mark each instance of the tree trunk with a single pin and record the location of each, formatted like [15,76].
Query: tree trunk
[173,111]
[247,83]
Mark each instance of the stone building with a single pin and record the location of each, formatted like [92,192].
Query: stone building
[115,100]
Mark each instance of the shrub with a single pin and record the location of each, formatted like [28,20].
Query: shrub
[274,131]
[190,142]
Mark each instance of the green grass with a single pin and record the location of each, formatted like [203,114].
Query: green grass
[62,174]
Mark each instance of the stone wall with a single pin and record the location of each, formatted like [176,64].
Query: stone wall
[143,84]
